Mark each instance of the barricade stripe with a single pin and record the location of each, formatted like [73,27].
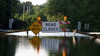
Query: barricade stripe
[63,30]
[67,22]
[64,22]
[60,22]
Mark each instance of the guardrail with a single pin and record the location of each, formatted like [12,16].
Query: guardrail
[12,31]
[28,30]
[88,34]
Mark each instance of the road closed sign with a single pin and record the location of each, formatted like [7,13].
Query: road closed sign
[50,26]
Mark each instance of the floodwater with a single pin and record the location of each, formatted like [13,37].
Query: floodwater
[49,46]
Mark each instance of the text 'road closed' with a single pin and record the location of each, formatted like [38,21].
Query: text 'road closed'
[50,26]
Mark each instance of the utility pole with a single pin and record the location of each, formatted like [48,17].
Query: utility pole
[29,9]
[23,10]
[12,8]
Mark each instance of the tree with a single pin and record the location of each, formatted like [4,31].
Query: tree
[7,10]
[28,13]
[86,11]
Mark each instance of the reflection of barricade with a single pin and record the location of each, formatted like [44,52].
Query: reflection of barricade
[63,47]
[51,44]
[64,44]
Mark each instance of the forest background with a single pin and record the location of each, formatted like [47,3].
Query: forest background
[24,14]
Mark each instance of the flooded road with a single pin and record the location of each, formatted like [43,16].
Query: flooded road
[48,46]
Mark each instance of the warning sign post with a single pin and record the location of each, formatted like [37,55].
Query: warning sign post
[36,27]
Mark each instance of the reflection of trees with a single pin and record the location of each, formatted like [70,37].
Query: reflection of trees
[8,45]
[84,47]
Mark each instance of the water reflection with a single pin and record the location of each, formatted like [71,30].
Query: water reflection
[7,45]
[49,46]
[36,42]
[63,47]
[32,48]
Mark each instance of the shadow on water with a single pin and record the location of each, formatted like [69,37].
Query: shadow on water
[85,47]
[48,46]
[8,45]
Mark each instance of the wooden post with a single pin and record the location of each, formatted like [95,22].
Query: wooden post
[27,33]
[38,34]
[64,34]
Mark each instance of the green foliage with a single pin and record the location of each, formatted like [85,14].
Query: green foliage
[86,11]
[7,9]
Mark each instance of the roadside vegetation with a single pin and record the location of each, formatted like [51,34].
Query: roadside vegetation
[24,14]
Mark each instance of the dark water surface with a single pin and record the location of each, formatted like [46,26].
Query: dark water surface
[48,46]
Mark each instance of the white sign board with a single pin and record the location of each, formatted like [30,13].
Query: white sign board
[11,22]
[79,26]
[50,26]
